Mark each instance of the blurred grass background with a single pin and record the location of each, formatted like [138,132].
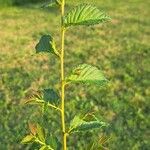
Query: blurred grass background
[120,47]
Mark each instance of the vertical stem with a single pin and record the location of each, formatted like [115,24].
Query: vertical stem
[62,78]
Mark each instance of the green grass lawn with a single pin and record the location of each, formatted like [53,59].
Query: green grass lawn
[120,48]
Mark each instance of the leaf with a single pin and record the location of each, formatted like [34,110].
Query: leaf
[28,139]
[40,132]
[98,143]
[85,14]
[32,102]
[46,44]
[87,74]
[76,122]
[53,141]
[43,148]
[41,96]
[90,125]
[79,125]
[51,3]
[33,128]
[58,2]
[49,95]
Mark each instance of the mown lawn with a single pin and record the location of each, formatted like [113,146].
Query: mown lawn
[120,48]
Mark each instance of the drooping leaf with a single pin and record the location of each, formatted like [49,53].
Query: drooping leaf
[46,44]
[79,124]
[53,141]
[33,102]
[85,14]
[40,133]
[49,95]
[28,139]
[43,96]
[87,74]
[51,3]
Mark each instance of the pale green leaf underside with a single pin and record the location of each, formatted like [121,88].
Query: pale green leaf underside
[27,139]
[46,44]
[87,74]
[85,15]
[40,132]
[80,125]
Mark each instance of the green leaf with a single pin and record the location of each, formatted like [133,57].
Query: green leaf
[40,133]
[53,141]
[79,124]
[87,74]
[49,95]
[28,139]
[85,15]
[43,148]
[33,102]
[46,44]
[98,143]
[77,121]
[42,96]
[51,3]
[58,2]
[90,125]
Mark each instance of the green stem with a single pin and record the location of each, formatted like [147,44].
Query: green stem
[62,78]
[42,143]
[53,106]
[50,105]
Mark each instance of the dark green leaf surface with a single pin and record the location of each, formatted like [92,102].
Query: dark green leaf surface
[45,95]
[85,15]
[58,2]
[87,74]
[49,95]
[46,44]
[79,125]
[54,142]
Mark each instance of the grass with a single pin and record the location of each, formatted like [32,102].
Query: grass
[121,48]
